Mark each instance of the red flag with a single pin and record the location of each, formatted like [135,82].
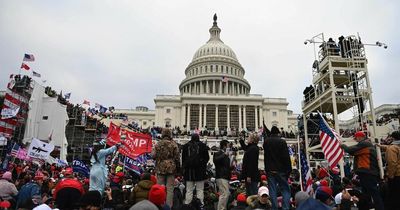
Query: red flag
[136,144]
[86,102]
[24,66]
[113,136]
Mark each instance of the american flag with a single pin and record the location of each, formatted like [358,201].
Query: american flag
[14,150]
[330,143]
[35,74]
[224,79]
[305,173]
[29,57]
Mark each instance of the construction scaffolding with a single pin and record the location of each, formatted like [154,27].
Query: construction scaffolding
[81,132]
[340,83]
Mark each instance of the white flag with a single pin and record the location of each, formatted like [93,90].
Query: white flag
[39,149]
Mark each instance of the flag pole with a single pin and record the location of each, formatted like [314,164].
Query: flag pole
[299,162]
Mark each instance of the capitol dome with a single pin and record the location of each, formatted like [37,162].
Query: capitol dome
[215,69]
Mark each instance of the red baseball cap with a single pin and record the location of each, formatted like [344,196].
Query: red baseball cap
[359,134]
[241,198]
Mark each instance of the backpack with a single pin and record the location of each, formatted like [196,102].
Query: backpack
[193,159]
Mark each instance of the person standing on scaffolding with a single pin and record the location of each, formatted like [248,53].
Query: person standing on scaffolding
[366,167]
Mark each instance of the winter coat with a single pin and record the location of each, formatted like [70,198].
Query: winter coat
[365,158]
[27,191]
[250,163]
[276,155]
[254,203]
[99,172]
[166,154]
[222,165]
[7,190]
[141,191]
[197,173]
[392,159]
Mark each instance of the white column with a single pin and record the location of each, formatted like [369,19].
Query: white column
[205,115]
[220,87]
[240,118]
[261,116]
[242,89]
[226,88]
[216,117]
[183,109]
[228,118]
[207,87]
[213,87]
[256,118]
[237,89]
[244,117]
[232,88]
[195,88]
[188,118]
[200,112]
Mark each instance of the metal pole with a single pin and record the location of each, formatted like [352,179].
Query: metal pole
[299,162]
[335,111]
[306,138]
[371,106]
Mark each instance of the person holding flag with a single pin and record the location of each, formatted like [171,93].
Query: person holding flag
[366,166]
[98,172]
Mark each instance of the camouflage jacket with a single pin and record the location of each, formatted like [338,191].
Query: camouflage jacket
[166,154]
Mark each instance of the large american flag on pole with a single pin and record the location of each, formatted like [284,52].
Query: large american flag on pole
[330,143]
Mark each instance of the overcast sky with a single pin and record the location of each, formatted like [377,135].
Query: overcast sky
[123,53]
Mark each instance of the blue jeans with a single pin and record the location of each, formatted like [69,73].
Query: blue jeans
[275,180]
[251,188]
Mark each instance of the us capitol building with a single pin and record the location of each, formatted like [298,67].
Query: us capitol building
[215,96]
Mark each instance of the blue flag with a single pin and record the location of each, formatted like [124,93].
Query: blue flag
[80,167]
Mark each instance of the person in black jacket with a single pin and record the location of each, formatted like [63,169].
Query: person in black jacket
[250,165]
[222,174]
[194,161]
[278,167]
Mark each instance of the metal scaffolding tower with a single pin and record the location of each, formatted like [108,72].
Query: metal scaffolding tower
[340,83]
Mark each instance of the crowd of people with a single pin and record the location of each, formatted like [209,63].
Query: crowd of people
[182,179]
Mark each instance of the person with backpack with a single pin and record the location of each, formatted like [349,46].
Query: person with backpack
[194,161]
[222,174]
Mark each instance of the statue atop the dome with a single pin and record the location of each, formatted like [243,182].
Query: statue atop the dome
[215,17]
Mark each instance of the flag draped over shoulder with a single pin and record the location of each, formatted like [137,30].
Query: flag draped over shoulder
[330,143]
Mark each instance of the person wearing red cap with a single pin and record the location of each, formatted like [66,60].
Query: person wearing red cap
[158,196]
[366,167]
[240,202]
[68,190]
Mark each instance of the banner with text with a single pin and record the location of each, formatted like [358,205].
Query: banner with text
[39,149]
[134,145]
